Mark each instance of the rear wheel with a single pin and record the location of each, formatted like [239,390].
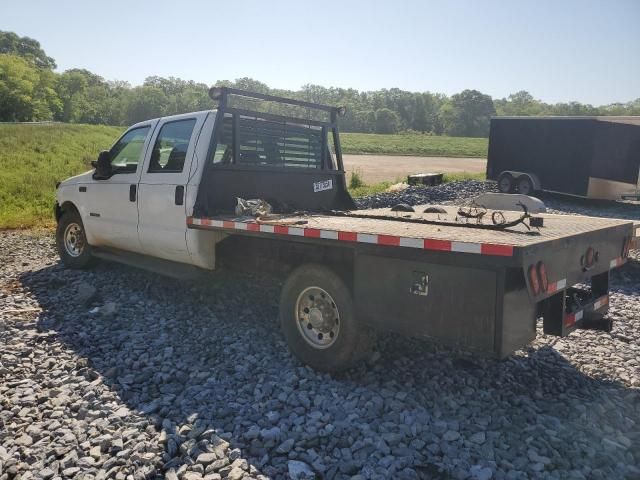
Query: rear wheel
[71,241]
[317,318]
[525,185]
[506,183]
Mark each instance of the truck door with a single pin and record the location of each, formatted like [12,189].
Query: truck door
[162,190]
[111,209]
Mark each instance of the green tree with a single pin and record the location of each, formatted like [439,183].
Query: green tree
[71,89]
[467,114]
[26,92]
[182,96]
[146,102]
[27,48]
[387,121]
[420,119]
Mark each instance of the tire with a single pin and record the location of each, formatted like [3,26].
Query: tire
[327,337]
[525,185]
[506,183]
[71,241]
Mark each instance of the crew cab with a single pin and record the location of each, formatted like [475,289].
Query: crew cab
[171,195]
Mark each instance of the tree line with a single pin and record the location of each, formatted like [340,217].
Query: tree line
[30,90]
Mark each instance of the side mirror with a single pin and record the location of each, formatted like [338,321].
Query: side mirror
[103,165]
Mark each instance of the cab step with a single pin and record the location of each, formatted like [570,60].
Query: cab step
[169,268]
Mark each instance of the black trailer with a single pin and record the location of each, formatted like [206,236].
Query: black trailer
[474,278]
[594,157]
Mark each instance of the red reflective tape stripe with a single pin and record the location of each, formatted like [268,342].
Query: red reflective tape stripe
[348,236]
[389,240]
[499,250]
[444,245]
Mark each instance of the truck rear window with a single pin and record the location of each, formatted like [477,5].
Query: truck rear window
[269,143]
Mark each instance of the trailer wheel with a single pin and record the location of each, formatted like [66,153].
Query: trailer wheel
[317,318]
[71,241]
[506,183]
[525,185]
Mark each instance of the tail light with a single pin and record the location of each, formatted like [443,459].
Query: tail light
[533,280]
[542,275]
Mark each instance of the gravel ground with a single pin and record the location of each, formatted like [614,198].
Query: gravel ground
[461,192]
[117,373]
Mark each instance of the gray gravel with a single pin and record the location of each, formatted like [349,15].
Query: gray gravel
[462,192]
[446,193]
[116,373]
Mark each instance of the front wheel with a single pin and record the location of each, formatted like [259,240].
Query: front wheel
[317,318]
[71,241]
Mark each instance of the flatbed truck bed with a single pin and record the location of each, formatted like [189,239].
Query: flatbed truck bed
[472,287]
[511,242]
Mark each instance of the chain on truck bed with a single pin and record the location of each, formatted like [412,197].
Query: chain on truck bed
[498,219]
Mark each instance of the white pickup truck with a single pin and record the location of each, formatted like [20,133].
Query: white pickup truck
[165,197]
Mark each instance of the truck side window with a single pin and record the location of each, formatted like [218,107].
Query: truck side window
[127,151]
[170,148]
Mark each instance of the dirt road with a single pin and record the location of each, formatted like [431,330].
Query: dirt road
[379,168]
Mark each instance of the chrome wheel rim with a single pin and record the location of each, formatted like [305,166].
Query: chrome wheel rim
[73,240]
[317,317]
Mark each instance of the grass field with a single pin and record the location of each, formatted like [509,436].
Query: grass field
[414,144]
[34,157]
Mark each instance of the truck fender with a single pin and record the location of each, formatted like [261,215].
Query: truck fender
[58,209]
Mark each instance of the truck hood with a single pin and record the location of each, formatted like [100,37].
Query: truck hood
[82,178]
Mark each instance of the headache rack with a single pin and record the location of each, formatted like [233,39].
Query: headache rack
[282,150]
[282,118]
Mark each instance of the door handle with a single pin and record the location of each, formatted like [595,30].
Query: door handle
[132,193]
[179,195]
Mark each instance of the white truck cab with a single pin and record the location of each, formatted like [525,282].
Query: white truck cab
[141,205]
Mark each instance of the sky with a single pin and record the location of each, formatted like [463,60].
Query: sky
[558,50]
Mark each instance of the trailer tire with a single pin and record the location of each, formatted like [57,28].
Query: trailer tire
[318,321]
[525,185]
[506,183]
[71,241]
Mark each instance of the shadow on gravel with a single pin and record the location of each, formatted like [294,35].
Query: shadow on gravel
[210,356]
